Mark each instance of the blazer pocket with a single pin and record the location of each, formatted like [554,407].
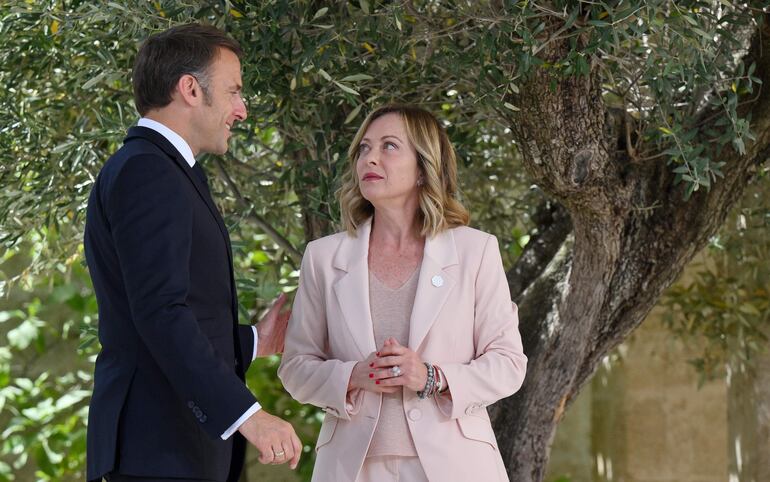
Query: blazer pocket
[475,428]
[327,430]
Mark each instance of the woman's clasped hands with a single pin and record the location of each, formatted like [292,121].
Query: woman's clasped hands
[388,369]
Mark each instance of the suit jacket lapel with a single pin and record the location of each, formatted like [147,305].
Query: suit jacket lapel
[352,289]
[434,286]
[163,143]
[203,191]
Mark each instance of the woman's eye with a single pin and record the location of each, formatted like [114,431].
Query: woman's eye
[363,148]
[390,146]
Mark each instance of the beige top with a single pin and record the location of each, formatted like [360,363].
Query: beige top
[391,311]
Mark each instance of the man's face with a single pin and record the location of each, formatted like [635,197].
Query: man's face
[223,105]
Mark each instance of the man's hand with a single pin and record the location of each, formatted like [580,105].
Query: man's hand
[272,328]
[273,438]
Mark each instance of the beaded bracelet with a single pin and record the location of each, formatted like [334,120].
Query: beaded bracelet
[437,385]
[430,384]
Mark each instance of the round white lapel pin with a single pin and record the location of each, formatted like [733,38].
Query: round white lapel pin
[437,281]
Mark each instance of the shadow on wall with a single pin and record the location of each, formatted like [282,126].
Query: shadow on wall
[643,418]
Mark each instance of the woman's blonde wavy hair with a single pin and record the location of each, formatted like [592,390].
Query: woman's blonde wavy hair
[439,207]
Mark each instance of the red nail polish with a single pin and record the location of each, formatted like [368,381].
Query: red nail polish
[371,364]
[371,375]
[378,353]
[377,382]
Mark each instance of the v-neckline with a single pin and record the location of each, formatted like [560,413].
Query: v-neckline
[394,290]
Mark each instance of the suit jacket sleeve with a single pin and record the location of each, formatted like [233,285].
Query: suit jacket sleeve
[306,372]
[499,368]
[149,209]
[246,337]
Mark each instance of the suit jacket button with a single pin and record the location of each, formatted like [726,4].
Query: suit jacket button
[203,419]
[415,414]
[197,412]
[470,410]
[191,404]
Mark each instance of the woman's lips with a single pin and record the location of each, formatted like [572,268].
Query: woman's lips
[372,177]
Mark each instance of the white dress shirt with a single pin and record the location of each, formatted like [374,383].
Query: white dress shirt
[184,148]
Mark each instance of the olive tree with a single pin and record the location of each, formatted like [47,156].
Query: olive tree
[604,142]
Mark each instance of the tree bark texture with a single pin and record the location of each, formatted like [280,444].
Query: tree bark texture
[582,290]
[315,226]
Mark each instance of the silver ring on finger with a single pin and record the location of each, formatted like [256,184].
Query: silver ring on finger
[280,453]
[396,371]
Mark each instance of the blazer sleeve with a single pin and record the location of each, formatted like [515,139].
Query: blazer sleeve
[246,339]
[149,209]
[306,371]
[499,367]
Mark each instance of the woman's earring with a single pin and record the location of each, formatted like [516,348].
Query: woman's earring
[420,182]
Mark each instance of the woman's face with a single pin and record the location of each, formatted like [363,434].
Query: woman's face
[387,164]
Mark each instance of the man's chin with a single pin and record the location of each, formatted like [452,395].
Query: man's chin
[216,149]
[219,150]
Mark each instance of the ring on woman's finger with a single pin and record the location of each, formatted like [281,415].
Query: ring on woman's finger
[280,453]
[396,371]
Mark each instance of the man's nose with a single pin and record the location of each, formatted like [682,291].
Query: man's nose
[240,109]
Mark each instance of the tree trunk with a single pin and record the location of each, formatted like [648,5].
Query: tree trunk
[315,226]
[632,234]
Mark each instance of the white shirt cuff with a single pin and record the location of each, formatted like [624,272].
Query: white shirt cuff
[251,411]
[256,342]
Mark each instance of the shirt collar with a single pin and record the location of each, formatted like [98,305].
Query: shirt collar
[175,139]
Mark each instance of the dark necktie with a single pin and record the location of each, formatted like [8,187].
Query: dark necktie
[201,174]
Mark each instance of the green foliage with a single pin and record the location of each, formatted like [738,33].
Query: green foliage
[727,302]
[262,274]
[312,70]
[669,66]
[46,364]
[45,381]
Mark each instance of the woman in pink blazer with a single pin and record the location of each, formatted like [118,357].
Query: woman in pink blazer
[403,329]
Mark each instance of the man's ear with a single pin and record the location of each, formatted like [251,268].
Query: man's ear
[189,90]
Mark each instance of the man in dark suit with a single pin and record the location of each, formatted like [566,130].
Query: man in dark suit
[169,400]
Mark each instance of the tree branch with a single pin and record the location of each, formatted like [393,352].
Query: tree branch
[676,230]
[261,222]
[561,129]
[553,226]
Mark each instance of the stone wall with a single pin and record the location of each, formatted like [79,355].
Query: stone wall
[644,419]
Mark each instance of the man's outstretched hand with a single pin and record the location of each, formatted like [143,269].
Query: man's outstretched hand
[271,329]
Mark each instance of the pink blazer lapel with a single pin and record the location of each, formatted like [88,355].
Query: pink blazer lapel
[352,289]
[434,285]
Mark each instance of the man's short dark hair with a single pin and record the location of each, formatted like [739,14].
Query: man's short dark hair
[167,56]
